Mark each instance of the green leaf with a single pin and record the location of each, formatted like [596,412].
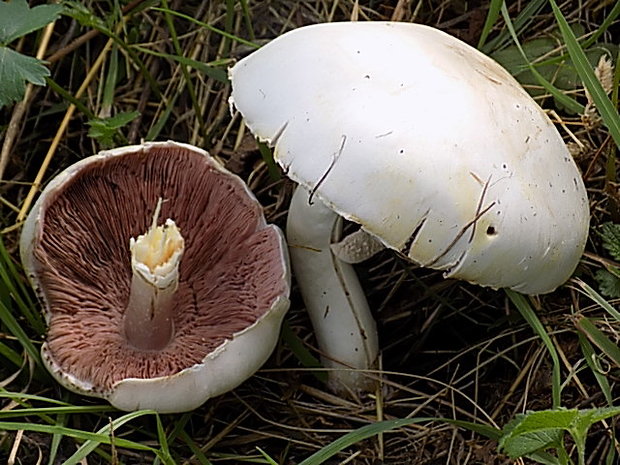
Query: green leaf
[18,19]
[610,234]
[15,70]
[603,413]
[608,282]
[535,431]
[528,443]
[105,129]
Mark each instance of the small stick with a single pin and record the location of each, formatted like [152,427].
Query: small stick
[59,133]
[20,107]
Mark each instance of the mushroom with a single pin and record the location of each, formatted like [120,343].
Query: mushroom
[430,146]
[147,312]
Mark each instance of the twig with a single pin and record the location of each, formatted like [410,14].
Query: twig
[20,108]
[59,133]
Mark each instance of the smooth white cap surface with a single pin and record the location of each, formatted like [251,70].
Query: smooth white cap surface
[426,143]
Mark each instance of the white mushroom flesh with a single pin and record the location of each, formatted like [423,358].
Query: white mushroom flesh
[426,143]
[219,289]
[343,323]
[155,257]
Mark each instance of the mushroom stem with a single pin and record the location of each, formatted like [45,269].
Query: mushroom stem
[344,327]
[155,257]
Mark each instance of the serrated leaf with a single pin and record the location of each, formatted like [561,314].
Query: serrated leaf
[540,430]
[15,70]
[608,283]
[528,443]
[535,431]
[117,121]
[540,420]
[603,413]
[610,234]
[18,19]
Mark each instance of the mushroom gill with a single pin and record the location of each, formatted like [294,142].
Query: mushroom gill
[230,273]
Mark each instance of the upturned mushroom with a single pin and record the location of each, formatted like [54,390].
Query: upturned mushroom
[161,281]
[430,146]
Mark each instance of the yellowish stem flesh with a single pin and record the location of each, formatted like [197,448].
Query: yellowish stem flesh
[155,258]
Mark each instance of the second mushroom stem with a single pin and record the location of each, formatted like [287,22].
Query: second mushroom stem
[155,258]
[344,327]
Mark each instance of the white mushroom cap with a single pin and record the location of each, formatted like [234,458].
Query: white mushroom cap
[230,291]
[428,144]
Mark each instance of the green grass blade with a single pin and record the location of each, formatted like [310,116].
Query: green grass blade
[616,81]
[16,330]
[590,357]
[209,27]
[56,438]
[93,440]
[109,88]
[163,441]
[179,426]
[484,430]
[210,71]
[566,101]
[247,18]
[528,313]
[606,109]
[188,81]
[38,411]
[266,456]
[195,448]
[598,338]
[11,355]
[599,299]
[69,98]
[521,22]
[492,16]
[272,167]
[356,436]
[373,429]
[155,129]
[11,281]
[21,396]
[607,22]
[302,354]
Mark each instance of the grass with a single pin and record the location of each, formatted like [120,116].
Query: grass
[460,363]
